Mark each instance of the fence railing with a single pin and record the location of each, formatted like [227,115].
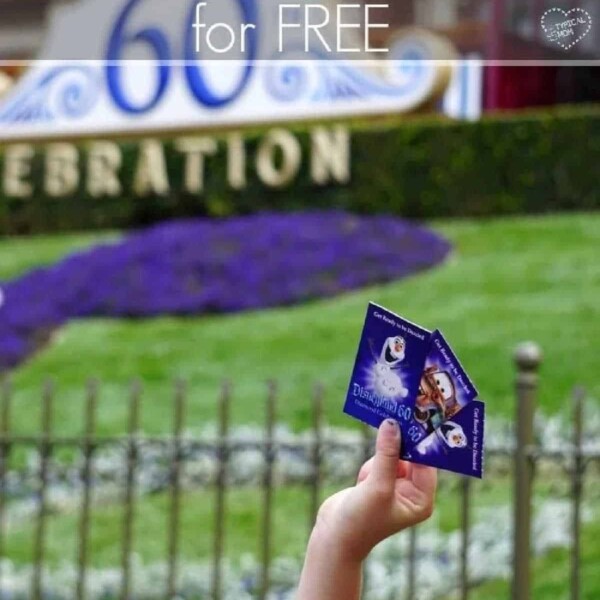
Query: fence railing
[524,454]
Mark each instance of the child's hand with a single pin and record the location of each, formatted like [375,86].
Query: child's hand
[390,496]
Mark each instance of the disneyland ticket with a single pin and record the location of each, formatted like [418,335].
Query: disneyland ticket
[445,388]
[457,445]
[387,372]
[404,372]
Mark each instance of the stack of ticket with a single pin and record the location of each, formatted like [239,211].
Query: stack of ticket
[409,374]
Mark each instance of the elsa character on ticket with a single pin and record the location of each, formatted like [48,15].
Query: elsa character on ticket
[386,382]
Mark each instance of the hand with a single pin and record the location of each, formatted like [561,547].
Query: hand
[390,495]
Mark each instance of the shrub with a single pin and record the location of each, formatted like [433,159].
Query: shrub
[419,168]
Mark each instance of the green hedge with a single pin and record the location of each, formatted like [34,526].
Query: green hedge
[419,168]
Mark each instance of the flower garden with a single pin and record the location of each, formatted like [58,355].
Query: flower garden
[203,266]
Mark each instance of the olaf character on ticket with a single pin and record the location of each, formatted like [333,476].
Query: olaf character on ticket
[387,371]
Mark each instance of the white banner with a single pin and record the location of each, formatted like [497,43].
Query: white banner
[135,66]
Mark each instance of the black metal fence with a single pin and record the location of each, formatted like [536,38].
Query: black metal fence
[524,454]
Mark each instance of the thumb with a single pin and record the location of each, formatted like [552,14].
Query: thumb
[387,454]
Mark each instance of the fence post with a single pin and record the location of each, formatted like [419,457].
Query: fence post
[175,485]
[528,357]
[368,446]
[86,494]
[221,487]
[316,479]
[465,513]
[411,586]
[577,471]
[130,484]
[267,484]
[45,450]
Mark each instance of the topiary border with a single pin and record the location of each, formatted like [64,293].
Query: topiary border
[423,167]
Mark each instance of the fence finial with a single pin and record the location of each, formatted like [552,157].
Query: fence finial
[528,356]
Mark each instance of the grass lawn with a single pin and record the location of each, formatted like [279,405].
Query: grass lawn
[151,531]
[550,573]
[508,280]
[243,527]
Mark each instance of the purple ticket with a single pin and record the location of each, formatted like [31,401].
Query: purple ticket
[387,372]
[406,373]
[445,388]
[457,445]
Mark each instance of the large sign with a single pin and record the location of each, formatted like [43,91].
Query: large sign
[127,66]
[157,167]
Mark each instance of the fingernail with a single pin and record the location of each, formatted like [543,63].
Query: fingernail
[391,424]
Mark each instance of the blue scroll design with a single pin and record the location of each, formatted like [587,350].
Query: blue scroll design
[323,79]
[66,91]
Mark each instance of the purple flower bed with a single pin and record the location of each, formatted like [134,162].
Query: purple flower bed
[213,266]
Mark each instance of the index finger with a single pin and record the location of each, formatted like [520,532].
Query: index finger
[424,478]
[401,472]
